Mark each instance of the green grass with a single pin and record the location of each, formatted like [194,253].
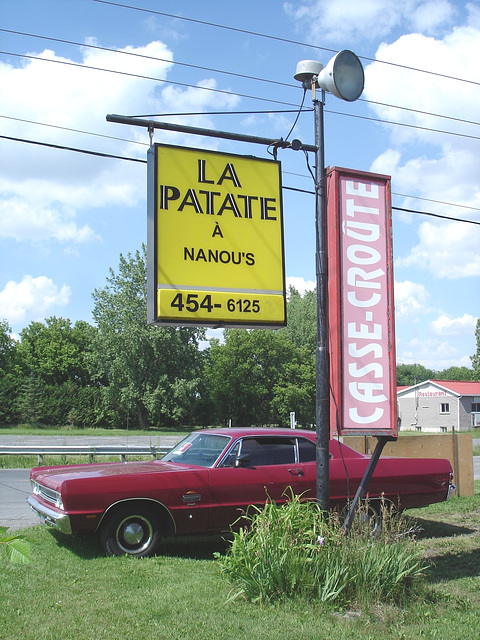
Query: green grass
[27,462]
[71,591]
[46,430]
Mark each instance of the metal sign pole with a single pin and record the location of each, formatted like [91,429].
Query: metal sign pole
[322,372]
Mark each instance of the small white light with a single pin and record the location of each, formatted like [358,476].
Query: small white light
[307,70]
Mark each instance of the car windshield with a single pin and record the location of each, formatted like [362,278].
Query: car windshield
[200,449]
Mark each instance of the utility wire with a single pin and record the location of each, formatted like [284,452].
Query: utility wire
[76,149]
[145,144]
[437,215]
[142,77]
[241,95]
[117,157]
[448,204]
[279,39]
[221,71]
[147,57]
[403,124]
[87,133]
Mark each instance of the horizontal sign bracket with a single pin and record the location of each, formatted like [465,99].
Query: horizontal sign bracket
[213,133]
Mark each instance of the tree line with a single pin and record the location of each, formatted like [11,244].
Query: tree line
[120,372]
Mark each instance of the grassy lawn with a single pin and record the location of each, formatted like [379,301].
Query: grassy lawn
[71,591]
[46,430]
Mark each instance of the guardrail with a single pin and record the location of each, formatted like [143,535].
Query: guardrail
[89,450]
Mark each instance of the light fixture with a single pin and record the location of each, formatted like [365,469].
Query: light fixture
[343,76]
[306,71]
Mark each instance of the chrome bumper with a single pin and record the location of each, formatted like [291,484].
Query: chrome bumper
[451,490]
[60,521]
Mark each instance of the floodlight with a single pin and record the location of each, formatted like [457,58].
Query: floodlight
[343,76]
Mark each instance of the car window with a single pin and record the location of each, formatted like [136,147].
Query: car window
[306,450]
[269,450]
[202,449]
[231,457]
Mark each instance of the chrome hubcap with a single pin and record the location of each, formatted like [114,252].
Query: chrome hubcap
[134,534]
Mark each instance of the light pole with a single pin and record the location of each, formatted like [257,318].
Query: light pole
[343,76]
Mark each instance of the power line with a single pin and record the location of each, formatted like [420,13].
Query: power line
[403,124]
[146,57]
[279,39]
[436,215]
[448,204]
[232,93]
[142,77]
[117,157]
[87,133]
[419,112]
[222,71]
[76,149]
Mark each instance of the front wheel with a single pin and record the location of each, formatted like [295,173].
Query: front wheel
[132,531]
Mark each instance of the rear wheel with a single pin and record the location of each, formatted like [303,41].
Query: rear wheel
[367,519]
[133,531]
[370,518]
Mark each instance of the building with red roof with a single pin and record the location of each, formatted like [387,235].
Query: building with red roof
[439,406]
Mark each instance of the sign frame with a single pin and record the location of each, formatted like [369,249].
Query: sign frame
[181,292]
[361,304]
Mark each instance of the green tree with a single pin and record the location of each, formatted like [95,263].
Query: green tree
[302,319]
[57,351]
[151,375]
[259,376]
[455,373]
[8,373]
[476,357]
[29,405]
[53,358]
[409,374]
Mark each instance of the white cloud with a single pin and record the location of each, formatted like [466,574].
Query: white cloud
[432,353]
[53,186]
[410,298]
[448,250]
[300,284]
[429,164]
[343,20]
[429,16]
[446,326]
[32,297]
[27,221]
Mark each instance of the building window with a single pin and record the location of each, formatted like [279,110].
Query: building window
[475,407]
[445,407]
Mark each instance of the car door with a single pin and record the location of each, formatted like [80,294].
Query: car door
[256,469]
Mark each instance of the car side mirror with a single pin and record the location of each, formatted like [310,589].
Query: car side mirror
[243,460]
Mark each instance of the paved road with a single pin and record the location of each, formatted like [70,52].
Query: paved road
[15,485]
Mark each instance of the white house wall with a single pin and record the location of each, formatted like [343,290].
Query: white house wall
[430,418]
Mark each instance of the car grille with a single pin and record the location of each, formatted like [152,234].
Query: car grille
[47,494]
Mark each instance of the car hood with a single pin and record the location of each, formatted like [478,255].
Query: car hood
[54,477]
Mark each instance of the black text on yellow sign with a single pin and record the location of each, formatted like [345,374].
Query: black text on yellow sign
[215,239]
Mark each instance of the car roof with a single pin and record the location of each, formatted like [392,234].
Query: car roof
[236,432]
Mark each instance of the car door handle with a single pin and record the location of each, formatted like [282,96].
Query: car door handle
[296,472]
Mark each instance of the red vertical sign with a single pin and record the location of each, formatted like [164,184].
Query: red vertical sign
[361,308]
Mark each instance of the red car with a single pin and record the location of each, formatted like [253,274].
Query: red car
[202,485]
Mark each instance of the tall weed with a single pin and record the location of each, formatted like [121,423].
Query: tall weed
[296,550]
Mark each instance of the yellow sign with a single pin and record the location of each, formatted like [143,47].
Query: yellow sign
[215,239]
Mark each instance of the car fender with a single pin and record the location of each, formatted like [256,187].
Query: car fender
[170,525]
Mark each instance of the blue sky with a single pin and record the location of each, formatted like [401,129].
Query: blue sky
[65,217]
